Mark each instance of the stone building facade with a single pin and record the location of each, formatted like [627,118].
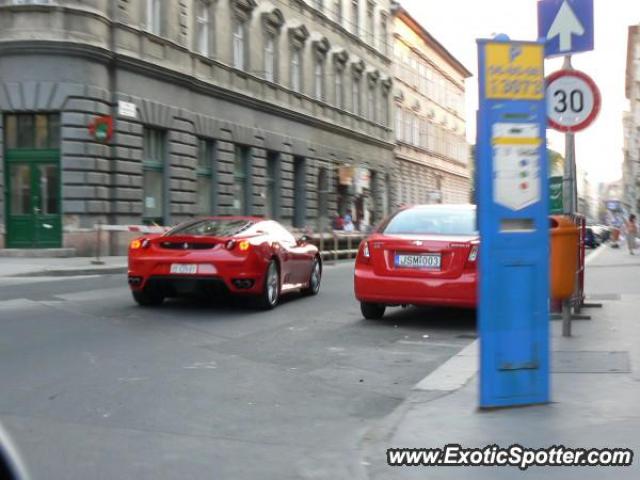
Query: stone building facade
[432,154]
[631,125]
[130,111]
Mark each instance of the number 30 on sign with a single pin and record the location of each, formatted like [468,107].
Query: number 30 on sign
[573,100]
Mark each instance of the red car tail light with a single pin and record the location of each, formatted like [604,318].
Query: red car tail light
[140,243]
[243,245]
[364,254]
[472,258]
[473,254]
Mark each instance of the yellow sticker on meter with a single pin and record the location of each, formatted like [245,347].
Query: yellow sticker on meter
[514,71]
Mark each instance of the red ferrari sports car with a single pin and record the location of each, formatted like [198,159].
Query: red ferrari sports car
[238,255]
[421,255]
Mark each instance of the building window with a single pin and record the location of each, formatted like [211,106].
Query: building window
[239,45]
[241,180]
[205,178]
[272,188]
[154,16]
[371,104]
[337,11]
[355,96]
[408,127]
[270,67]
[339,88]
[296,70]
[399,124]
[415,136]
[299,192]
[355,17]
[318,74]
[383,33]
[323,198]
[32,131]
[203,28]
[385,110]
[370,23]
[154,154]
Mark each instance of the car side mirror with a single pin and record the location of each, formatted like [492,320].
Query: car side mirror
[303,239]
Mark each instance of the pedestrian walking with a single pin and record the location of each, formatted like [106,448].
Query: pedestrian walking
[631,228]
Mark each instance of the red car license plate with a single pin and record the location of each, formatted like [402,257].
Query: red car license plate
[427,261]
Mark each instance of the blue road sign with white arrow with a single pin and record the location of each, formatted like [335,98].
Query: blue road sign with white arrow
[566,26]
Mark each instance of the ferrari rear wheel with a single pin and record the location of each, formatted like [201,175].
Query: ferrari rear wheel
[372,311]
[147,297]
[315,278]
[271,290]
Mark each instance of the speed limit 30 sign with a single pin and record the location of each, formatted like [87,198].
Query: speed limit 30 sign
[573,100]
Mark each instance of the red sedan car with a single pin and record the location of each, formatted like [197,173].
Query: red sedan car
[239,255]
[421,255]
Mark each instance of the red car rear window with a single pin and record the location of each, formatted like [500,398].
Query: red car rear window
[212,227]
[435,220]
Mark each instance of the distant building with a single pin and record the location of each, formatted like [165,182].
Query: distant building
[587,197]
[432,154]
[631,125]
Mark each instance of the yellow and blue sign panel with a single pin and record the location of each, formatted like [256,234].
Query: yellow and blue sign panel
[513,222]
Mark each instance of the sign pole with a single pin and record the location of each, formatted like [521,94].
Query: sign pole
[569,193]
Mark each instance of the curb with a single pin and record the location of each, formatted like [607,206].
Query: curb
[72,272]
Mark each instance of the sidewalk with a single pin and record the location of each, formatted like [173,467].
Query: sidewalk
[60,267]
[595,394]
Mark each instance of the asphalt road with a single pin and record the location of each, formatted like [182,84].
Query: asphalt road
[94,387]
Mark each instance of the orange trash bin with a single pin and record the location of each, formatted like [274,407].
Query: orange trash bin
[564,244]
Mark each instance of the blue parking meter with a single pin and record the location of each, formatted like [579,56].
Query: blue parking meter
[513,222]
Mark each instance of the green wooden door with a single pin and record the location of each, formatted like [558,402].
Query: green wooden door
[33,199]
[32,179]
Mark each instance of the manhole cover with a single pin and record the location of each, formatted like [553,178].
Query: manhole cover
[590,362]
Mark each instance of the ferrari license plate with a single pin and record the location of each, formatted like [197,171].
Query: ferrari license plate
[430,261]
[184,268]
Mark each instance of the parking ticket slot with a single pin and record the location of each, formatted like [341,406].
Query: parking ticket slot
[513,224]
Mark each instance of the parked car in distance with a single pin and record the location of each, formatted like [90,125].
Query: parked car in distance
[226,255]
[591,239]
[420,255]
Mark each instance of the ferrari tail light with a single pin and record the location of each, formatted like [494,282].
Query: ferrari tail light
[140,243]
[243,245]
